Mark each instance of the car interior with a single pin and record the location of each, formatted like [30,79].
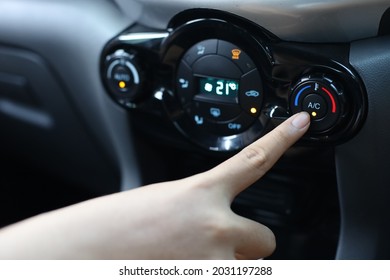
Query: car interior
[103,96]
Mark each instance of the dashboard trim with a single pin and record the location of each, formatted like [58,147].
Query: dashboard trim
[299,20]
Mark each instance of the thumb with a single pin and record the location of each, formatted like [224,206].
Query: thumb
[249,165]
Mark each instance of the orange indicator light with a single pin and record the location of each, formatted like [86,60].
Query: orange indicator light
[314,114]
[236,54]
[253,110]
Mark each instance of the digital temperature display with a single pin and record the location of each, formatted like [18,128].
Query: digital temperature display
[218,87]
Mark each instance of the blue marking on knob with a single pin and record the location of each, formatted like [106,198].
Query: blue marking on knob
[299,94]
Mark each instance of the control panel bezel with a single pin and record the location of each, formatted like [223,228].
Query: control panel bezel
[282,66]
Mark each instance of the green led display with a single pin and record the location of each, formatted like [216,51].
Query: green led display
[218,87]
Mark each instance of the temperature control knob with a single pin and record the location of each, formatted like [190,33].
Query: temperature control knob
[321,98]
[123,76]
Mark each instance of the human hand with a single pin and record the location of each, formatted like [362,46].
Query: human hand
[184,219]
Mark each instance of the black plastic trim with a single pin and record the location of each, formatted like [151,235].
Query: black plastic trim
[363,163]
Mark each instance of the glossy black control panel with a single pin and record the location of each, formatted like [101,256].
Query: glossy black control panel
[219,87]
[224,82]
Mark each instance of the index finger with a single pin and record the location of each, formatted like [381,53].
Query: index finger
[249,165]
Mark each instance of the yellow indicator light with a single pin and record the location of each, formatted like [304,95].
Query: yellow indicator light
[122,84]
[314,114]
[253,110]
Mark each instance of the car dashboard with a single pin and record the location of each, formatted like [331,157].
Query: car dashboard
[101,96]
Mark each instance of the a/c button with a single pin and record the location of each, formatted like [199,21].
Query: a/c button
[315,105]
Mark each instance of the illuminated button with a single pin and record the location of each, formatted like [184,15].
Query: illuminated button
[200,121]
[235,54]
[320,98]
[315,105]
[251,93]
[184,83]
[200,49]
[121,77]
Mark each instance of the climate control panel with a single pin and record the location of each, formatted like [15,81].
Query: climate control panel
[223,82]
[219,87]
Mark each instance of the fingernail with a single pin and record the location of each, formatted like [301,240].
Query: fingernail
[301,120]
